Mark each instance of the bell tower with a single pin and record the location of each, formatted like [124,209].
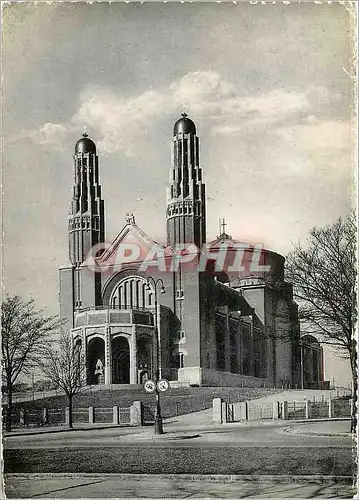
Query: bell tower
[86,218]
[186,208]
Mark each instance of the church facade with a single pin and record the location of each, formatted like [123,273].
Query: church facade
[192,311]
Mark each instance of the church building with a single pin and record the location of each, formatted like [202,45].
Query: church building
[216,313]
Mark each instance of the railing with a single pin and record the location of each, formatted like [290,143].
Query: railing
[287,410]
[116,308]
[112,315]
[260,411]
[52,417]
[295,410]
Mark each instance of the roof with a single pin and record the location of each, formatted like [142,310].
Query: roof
[131,233]
[85,145]
[184,125]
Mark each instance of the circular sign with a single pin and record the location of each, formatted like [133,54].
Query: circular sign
[149,386]
[163,385]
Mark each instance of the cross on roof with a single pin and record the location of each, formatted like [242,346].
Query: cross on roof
[130,218]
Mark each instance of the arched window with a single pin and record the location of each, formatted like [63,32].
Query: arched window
[132,293]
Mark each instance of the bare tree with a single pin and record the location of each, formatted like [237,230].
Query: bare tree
[324,279]
[24,333]
[63,364]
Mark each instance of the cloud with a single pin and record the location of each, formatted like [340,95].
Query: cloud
[50,133]
[121,123]
[202,92]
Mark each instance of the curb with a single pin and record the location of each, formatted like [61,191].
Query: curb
[73,429]
[319,434]
[160,437]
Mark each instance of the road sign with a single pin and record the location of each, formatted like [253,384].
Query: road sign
[149,386]
[163,385]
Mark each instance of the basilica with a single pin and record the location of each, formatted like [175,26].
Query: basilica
[216,313]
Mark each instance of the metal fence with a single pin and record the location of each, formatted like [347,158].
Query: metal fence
[296,410]
[287,410]
[80,415]
[103,415]
[319,409]
[148,414]
[341,408]
[53,417]
[261,411]
[57,417]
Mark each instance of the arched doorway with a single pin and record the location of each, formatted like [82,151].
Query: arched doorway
[120,361]
[312,362]
[95,353]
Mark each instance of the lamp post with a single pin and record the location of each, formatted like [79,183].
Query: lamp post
[152,283]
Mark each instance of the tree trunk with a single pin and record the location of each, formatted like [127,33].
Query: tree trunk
[353,365]
[9,408]
[70,411]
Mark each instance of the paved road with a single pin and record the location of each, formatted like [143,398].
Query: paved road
[276,448]
[272,433]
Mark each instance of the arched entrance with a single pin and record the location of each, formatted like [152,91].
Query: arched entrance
[312,362]
[95,353]
[120,361]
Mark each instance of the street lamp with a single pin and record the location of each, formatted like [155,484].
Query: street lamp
[152,283]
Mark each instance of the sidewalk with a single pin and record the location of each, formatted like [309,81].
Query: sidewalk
[61,429]
[175,486]
[340,428]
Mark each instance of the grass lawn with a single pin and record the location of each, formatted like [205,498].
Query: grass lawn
[183,460]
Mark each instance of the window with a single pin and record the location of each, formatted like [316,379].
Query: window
[179,294]
[179,360]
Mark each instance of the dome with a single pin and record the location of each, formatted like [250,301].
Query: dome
[85,145]
[184,125]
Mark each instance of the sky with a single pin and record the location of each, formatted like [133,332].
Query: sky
[270,88]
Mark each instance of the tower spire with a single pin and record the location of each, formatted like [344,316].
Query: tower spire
[186,209]
[86,218]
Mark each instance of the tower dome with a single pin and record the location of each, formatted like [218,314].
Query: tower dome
[184,125]
[85,145]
